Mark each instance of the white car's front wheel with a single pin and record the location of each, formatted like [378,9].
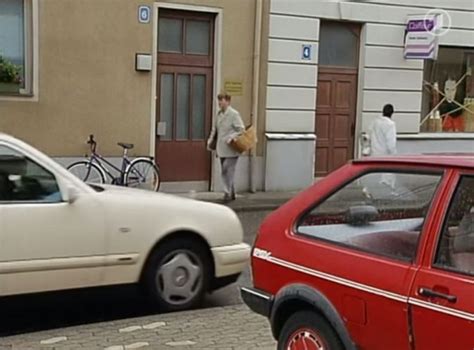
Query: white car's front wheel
[177,275]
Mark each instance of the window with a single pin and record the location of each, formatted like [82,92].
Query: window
[183,111]
[185,37]
[15,61]
[382,213]
[22,180]
[171,35]
[448,94]
[338,45]
[197,37]
[456,247]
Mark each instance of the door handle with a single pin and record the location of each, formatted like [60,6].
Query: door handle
[434,294]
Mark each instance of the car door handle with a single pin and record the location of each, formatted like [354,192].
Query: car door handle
[434,294]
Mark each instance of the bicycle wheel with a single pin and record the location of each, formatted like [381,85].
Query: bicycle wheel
[87,172]
[144,174]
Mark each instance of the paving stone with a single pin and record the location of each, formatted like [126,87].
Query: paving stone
[181,343]
[234,327]
[129,329]
[154,325]
[138,345]
[53,340]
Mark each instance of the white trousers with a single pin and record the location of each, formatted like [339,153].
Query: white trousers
[228,173]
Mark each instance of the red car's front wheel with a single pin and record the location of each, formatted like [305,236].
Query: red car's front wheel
[307,330]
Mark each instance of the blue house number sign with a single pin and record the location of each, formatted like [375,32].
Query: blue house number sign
[306,52]
[144,14]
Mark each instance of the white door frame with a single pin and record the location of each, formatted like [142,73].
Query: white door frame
[216,69]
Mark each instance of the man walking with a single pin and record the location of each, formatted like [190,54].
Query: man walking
[383,134]
[227,126]
[383,141]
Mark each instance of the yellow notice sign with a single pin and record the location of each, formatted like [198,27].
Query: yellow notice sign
[233,87]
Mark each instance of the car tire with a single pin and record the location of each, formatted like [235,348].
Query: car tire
[309,330]
[177,275]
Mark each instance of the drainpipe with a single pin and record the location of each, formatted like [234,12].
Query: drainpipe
[255,87]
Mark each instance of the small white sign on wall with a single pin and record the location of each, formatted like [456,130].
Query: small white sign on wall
[306,52]
[144,14]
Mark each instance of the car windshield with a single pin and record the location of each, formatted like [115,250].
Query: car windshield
[379,212]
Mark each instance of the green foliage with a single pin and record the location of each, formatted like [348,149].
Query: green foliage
[9,72]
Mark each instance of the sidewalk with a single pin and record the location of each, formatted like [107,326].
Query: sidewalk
[245,201]
[230,327]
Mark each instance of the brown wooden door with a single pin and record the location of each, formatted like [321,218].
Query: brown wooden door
[335,119]
[337,94]
[185,109]
[184,91]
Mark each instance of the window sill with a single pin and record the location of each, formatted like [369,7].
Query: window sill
[437,136]
[18,97]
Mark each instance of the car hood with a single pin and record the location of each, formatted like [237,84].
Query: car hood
[145,197]
[218,223]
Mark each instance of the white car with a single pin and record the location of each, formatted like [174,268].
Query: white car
[57,233]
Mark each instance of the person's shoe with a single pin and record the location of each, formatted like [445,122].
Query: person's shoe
[227,197]
[232,196]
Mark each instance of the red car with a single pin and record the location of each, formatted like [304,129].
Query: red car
[377,255]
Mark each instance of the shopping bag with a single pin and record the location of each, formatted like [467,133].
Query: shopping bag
[246,140]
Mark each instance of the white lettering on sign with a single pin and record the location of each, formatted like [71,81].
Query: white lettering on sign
[262,254]
[306,52]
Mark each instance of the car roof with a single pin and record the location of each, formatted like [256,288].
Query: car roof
[464,160]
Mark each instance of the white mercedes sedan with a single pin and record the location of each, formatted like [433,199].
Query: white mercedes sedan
[58,233]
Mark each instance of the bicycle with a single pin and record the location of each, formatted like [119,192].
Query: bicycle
[140,172]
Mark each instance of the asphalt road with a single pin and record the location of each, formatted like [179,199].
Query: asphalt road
[19,315]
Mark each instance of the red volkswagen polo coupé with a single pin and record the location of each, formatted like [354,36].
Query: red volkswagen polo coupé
[378,255]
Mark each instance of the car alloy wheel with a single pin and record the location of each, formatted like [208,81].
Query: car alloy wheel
[305,339]
[308,330]
[179,278]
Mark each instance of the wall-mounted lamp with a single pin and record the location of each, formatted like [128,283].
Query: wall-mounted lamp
[143,62]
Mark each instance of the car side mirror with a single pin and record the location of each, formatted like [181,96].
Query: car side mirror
[361,214]
[71,194]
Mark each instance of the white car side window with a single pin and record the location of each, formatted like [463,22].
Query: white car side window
[382,213]
[23,180]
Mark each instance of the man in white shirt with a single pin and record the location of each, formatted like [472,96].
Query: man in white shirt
[383,134]
[383,141]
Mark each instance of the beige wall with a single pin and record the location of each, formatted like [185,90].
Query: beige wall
[87,81]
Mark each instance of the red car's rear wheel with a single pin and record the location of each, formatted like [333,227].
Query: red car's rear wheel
[307,330]
[305,339]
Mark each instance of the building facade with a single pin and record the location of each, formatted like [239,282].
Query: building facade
[333,65]
[310,75]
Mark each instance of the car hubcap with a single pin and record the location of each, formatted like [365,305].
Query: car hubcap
[179,278]
[305,339]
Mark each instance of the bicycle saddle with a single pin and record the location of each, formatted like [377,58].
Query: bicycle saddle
[125,145]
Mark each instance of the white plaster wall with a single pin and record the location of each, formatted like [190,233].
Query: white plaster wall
[292,80]
[387,76]
[290,121]
[417,146]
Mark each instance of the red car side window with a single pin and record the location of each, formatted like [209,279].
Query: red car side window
[456,246]
[382,213]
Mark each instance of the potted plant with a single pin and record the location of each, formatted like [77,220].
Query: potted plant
[10,75]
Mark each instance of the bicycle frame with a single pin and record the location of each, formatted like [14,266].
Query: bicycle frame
[99,161]
[104,165]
